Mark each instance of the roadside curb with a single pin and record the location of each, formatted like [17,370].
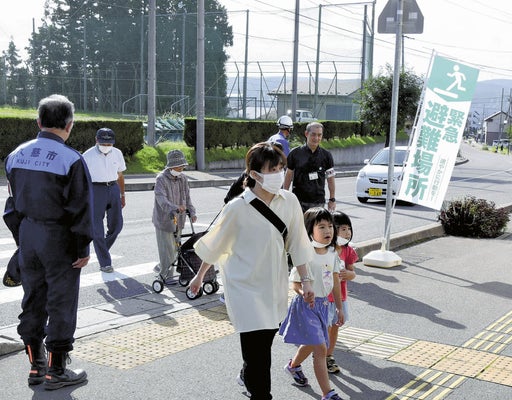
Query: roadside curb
[147,183]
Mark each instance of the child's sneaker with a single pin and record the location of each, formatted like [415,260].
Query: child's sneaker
[297,374]
[332,395]
[332,367]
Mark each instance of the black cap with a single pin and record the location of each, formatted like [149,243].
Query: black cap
[105,135]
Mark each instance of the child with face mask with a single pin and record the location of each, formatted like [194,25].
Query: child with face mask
[343,227]
[306,325]
[172,200]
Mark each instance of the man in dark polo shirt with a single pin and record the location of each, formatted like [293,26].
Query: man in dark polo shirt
[308,167]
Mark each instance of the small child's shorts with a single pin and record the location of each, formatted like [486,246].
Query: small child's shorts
[333,317]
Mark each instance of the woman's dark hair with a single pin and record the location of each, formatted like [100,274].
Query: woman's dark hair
[259,155]
[340,218]
[313,216]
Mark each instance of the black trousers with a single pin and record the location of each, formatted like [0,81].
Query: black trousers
[50,285]
[257,356]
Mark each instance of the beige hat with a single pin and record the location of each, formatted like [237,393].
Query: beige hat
[176,158]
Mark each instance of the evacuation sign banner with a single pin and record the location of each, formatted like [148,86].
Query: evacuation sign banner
[438,132]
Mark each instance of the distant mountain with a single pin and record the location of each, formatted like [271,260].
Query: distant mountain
[487,98]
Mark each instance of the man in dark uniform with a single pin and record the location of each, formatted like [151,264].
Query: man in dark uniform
[51,187]
[308,167]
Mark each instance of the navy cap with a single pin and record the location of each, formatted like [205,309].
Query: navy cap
[105,135]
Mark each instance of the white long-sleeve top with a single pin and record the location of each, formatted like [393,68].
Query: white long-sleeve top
[251,255]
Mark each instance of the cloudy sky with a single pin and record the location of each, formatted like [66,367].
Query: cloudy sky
[477,32]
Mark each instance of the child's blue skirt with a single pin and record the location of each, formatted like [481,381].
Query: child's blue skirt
[306,325]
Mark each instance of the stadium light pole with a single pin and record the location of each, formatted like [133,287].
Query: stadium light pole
[200,88]
[151,72]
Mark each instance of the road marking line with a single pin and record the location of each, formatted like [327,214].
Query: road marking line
[87,280]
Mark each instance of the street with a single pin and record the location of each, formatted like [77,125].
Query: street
[135,253]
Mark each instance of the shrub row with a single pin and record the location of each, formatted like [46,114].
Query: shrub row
[129,134]
[233,133]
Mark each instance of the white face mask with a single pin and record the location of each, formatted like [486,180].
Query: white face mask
[175,173]
[341,241]
[318,245]
[272,182]
[104,149]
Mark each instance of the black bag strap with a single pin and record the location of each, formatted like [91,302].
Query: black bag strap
[271,216]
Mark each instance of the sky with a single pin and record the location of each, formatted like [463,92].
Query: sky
[476,32]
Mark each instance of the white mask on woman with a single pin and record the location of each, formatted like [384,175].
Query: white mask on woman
[272,182]
[175,173]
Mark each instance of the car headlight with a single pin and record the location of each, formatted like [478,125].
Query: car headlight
[361,174]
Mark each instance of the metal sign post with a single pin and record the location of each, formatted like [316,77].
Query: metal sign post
[391,21]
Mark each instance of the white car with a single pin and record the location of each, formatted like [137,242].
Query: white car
[304,116]
[372,179]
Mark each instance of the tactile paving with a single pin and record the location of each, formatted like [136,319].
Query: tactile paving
[422,354]
[429,385]
[500,371]
[503,325]
[465,362]
[490,341]
[151,341]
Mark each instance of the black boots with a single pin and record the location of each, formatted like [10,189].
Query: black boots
[58,376]
[37,357]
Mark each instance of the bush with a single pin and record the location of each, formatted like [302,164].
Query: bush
[16,130]
[472,217]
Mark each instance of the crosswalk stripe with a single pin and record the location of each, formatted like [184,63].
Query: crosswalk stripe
[86,280]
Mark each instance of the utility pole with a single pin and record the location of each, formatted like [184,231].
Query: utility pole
[200,87]
[142,80]
[317,72]
[244,89]
[151,73]
[85,66]
[501,114]
[183,34]
[295,59]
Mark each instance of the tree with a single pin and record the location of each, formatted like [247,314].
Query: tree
[92,52]
[375,101]
[16,82]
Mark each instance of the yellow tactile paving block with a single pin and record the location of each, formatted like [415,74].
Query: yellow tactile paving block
[503,325]
[422,354]
[500,371]
[465,362]
[429,385]
[350,337]
[489,341]
[133,347]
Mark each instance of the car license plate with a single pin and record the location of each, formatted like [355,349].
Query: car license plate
[375,192]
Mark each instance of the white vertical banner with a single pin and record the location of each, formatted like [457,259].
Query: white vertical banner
[438,132]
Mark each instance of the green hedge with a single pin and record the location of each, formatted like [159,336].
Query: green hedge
[129,134]
[235,133]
